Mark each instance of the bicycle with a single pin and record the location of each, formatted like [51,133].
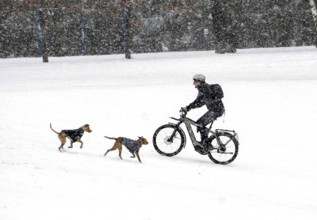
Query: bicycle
[222,146]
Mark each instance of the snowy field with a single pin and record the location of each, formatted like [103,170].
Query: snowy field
[270,99]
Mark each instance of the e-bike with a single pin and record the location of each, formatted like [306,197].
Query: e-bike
[222,146]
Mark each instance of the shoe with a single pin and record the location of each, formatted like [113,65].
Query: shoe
[207,147]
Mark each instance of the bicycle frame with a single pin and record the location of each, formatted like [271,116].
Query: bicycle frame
[189,123]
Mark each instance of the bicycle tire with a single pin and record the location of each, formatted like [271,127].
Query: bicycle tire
[226,155]
[165,147]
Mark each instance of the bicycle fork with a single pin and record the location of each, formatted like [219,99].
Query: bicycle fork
[171,138]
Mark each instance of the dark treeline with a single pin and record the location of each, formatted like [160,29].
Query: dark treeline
[75,27]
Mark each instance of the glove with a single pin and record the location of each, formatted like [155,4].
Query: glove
[183,109]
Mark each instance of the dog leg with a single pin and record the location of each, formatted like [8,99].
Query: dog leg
[61,148]
[120,151]
[71,144]
[111,149]
[63,141]
[81,143]
[114,147]
[137,154]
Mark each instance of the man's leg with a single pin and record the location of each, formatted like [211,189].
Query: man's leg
[207,118]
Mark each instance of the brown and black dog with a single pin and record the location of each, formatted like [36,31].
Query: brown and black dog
[74,135]
[132,145]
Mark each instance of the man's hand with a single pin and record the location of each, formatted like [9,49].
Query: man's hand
[183,109]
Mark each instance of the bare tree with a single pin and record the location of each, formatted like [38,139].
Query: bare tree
[313,5]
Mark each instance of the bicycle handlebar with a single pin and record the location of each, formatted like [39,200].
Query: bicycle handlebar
[182,116]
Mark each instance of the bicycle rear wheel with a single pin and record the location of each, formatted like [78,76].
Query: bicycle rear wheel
[226,150]
[169,140]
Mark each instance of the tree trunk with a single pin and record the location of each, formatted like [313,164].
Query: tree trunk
[43,24]
[313,6]
[223,27]
[82,29]
[127,41]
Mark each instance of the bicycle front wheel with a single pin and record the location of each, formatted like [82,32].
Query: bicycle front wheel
[225,149]
[169,140]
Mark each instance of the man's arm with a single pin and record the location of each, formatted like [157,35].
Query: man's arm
[198,102]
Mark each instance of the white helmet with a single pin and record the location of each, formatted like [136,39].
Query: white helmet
[199,77]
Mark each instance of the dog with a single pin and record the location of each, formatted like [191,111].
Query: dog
[132,145]
[74,135]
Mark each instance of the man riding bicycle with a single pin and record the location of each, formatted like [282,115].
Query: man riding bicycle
[209,95]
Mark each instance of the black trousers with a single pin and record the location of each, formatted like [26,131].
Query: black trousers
[207,118]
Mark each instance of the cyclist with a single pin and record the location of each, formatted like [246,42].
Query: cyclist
[209,95]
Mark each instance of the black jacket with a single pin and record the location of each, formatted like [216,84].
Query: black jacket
[75,134]
[208,95]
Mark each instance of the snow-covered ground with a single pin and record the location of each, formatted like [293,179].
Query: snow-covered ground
[270,99]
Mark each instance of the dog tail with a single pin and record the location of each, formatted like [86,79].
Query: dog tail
[112,138]
[53,129]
